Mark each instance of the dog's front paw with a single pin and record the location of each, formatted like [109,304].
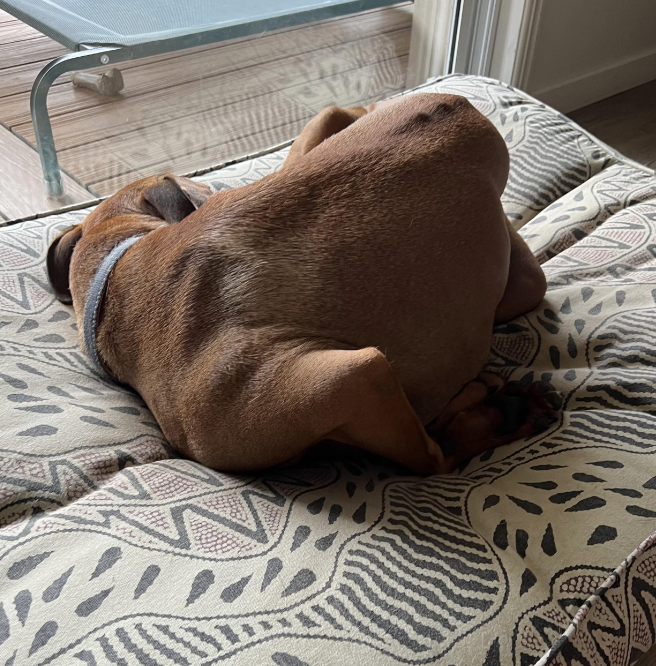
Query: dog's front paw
[525,410]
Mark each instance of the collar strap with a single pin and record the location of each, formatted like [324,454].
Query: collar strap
[95,299]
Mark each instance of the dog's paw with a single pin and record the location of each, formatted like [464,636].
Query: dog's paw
[525,410]
[507,413]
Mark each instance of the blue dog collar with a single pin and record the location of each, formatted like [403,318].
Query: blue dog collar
[95,299]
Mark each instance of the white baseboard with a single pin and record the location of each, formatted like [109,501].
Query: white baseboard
[589,88]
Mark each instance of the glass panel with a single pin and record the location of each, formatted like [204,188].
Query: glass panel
[188,110]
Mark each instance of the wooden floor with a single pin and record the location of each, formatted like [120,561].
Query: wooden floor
[627,122]
[647,659]
[184,111]
[21,183]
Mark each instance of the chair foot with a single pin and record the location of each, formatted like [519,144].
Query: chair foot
[54,188]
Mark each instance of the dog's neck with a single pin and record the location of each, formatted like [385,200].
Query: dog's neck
[94,301]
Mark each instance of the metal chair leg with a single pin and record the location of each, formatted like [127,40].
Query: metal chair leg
[45,143]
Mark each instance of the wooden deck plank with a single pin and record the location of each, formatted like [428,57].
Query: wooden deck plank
[243,127]
[13,81]
[82,127]
[273,134]
[114,172]
[297,40]
[221,131]
[167,145]
[6,16]
[22,192]
[15,31]
[149,74]
[40,50]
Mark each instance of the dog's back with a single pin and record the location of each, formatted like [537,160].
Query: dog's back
[392,239]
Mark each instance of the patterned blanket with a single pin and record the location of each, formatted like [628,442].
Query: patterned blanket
[113,550]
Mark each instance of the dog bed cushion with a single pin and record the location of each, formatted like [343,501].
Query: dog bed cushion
[113,550]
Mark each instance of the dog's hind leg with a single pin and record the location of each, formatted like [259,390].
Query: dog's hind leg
[301,397]
[526,282]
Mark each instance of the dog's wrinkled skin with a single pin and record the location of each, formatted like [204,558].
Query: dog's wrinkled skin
[349,297]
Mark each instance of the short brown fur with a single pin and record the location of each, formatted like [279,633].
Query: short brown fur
[349,296]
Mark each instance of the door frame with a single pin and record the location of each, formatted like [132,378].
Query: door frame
[485,37]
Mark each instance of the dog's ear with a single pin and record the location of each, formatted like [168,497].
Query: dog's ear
[58,262]
[172,198]
[330,121]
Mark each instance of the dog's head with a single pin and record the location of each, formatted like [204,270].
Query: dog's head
[137,208]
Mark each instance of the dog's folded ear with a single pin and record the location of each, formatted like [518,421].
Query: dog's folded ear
[58,262]
[172,198]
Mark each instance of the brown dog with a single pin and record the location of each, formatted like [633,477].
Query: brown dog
[348,297]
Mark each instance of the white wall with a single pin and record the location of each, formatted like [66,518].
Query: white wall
[582,51]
